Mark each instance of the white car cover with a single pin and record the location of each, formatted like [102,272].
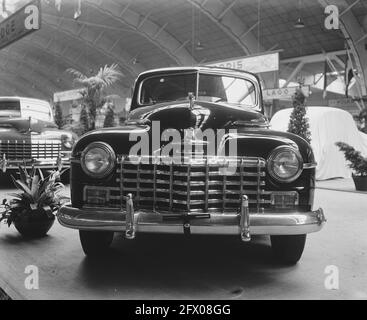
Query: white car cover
[327,126]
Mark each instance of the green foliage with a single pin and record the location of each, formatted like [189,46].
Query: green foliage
[38,197]
[85,123]
[93,95]
[59,120]
[362,120]
[298,123]
[109,120]
[356,161]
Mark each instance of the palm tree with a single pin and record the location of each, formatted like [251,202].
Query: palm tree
[93,93]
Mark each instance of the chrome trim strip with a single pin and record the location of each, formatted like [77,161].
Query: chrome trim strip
[310,165]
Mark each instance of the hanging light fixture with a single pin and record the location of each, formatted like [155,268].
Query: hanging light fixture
[4,12]
[78,10]
[299,23]
[199,46]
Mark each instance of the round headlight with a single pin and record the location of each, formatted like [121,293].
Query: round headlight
[285,164]
[98,159]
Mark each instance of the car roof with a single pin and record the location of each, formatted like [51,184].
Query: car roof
[201,68]
[8,98]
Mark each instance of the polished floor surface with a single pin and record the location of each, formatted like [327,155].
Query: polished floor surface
[173,267]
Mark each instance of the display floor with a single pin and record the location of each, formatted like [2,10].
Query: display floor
[346,185]
[172,267]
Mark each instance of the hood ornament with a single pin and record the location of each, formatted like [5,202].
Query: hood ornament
[191,98]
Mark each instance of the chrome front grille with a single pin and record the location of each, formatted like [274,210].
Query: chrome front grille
[185,187]
[27,150]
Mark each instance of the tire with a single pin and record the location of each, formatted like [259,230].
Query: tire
[288,249]
[95,243]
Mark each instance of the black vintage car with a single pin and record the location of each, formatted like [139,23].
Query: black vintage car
[244,179]
[30,137]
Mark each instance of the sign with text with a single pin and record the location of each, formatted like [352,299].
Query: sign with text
[68,95]
[256,64]
[24,21]
[284,93]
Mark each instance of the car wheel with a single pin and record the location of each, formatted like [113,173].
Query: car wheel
[288,249]
[95,243]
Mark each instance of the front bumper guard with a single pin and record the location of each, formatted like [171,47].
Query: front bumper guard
[243,223]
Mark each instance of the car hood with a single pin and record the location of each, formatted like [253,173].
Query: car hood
[20,128]
[202,115]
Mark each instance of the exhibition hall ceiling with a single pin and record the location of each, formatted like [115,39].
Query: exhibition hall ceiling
[144,34]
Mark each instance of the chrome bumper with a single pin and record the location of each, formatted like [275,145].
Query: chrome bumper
[242,223]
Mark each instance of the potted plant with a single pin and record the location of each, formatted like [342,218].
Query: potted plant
[32,210]
[357,163]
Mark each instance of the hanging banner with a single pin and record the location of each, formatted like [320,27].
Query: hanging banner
[23,22]
[256,64]
[284,93]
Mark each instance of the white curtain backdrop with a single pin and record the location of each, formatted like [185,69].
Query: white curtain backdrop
[327,125]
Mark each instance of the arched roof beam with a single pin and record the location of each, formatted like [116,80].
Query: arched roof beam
[145,26]
[224,17]
[69,61]
[33,66]
[55,70]
[23,85]
[43,85]
[8,90]
[73,30]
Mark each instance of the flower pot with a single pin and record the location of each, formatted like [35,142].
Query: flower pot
[33,228]
[360,182]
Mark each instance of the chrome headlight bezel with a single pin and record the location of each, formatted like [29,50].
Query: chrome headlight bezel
[274,154]
[111,161]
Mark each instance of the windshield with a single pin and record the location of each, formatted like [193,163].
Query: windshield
[9,109]
[212,88]
[167,88]
[219,88]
